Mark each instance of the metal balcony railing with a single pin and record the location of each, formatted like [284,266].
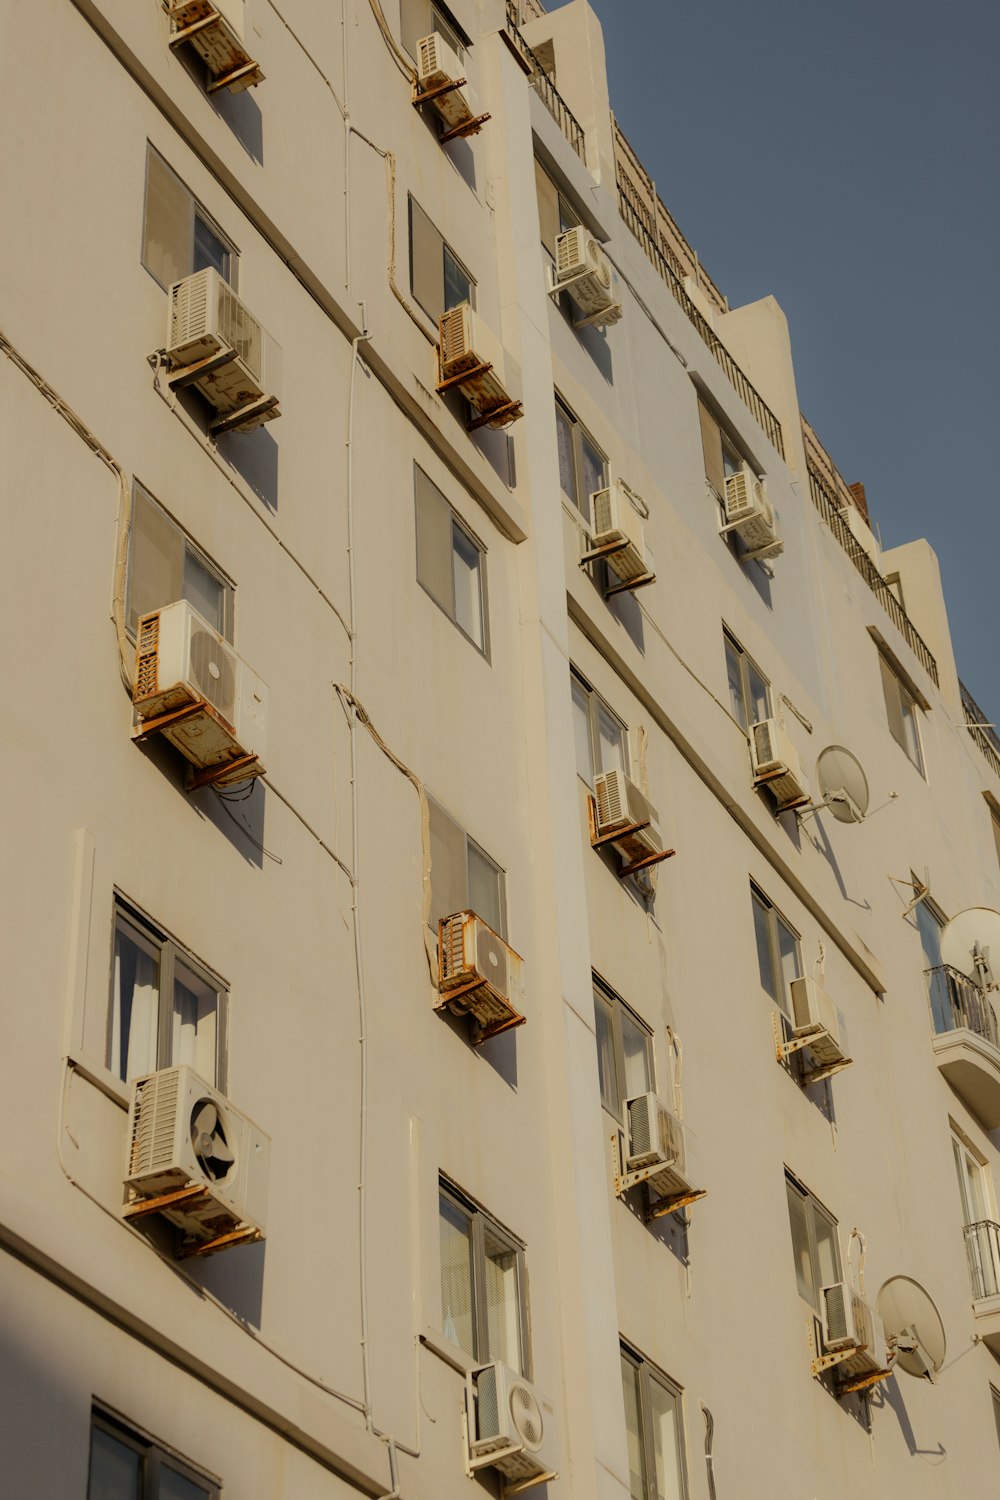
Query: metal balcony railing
[830,508]
[981,729]
[545,88]
[958,1004]
[982,1243]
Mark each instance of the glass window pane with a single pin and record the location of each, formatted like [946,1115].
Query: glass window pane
[449,865]
[762,933]
[468,587]
[205,590]
[486,889]
[567,466]
[606,1069]
[893,702]
[457,285]
[115,1468]
[665,1409]
[175,1486]
[828,1267]
[798,1220]
[758,693]
[610,739]
[581,730]
[456,1275]
[734,675]
[594,472]
[194,1024]
[929,927]
[135,1002]
[731,461]
[633,1430]
[166,236]
[636,1050]
[426,262]
[209,249]
[788,955]
[435,565]
[156,558]
[503,1317]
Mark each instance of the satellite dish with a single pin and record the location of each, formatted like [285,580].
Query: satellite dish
[842,783]
[913,1326]
[966,942]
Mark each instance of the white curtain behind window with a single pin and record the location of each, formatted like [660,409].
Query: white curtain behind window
[456,1276]
[135,1004]
[502,1313]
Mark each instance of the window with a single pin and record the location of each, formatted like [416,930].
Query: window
[582,466]
[600,735]
[164,565]
[418,18]
[982,1234]
[127,1466]
[995,822]
[451,564]
[438,280]
[749,697]
[555,212]
[779,958]
[482,1284]
[814,1242]
[901,708]
[624,1051]
[178,236]
[463,877]
[722,457]
[655,1431]
[166,1008]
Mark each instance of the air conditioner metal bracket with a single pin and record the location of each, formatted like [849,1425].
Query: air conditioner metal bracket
[463,377]
[527,1484]
[254,413]
[427,95]
[862,1382]
[671,1204]
[244,1235]
[784,1050]
[497,416]
[178,1198]
[606,549]
[147,727]
[191,374]
[240,769]
[247,76]
[631,586]
[610,314]
[617,836]
[470,127]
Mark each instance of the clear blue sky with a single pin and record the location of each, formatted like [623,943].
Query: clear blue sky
[844,157]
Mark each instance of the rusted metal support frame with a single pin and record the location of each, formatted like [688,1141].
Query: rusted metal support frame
[619,833]
[179,1198]
[202,24]
[606,549]
[630,587]
[228,79]
[527,1484]
[509,410]
[461,379]
[862,1382]
[494,1028]
[784,1050]
[642,864]
[147,727]
[180,379]
[210,775]
[246,1235]
[449,996]
[436,92]
[610,314]
[625,1181]
[670,1205]
[243,413]
[468,127]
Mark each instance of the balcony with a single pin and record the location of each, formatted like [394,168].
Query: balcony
[982,732]
[966,1041]
[982,1243]
[540,81]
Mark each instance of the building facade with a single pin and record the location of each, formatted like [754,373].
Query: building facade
[459,664]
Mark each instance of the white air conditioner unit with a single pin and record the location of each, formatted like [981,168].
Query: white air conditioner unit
[181,662]
[750,514]
[620,804]
[583,270]
[814,1015]
[466,345]
[656,1139]
[216,29]
[616,520]
[775,764]
[438,64]
[207,319]
[478,973]
[852,1327]
[510,1426]
[183,1133]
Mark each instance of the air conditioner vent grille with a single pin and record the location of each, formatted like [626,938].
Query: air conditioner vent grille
[147,656]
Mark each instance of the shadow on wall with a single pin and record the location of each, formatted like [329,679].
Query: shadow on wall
[254,456]
[238,813]
[888,1394]
[236,1278]
[242,114]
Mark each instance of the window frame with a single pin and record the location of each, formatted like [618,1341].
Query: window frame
[813,1209]
[198,211]
[595,706]
[482,1223]
[188,547]
[153,1456]
[908,707]
[746,664]
[604,994]
[579,434]
[774,917]
[447,254]
[473,844]
[650,1374]
[458,525]
[170,955]
[566,214]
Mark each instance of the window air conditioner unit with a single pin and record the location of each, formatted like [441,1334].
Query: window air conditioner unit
[775,764]
[478,973]
[438,64]
[656,1139]
[511,1427]
[183,1133]
[466,346]
[620,804]
[814,1015]
[215,29]
[208,320]
[750,514]
[616,520]
[852,1326]
[181,662]
[583,270]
